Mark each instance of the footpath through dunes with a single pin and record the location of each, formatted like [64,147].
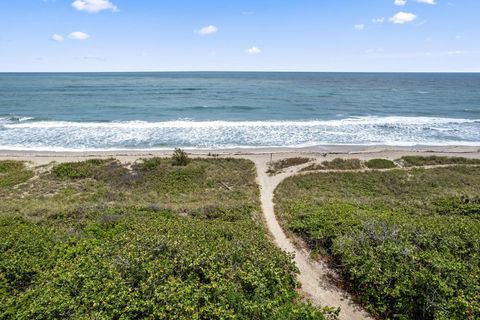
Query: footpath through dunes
[315,277]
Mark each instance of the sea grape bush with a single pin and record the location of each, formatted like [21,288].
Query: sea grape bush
[158,266]
[437,160]
[459,206]
[100,240]
[13,173]
[407,243]
[380,164]
[336,164]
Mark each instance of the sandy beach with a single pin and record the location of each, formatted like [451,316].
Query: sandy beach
[318,153]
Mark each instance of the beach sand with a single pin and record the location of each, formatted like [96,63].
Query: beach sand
[319,153]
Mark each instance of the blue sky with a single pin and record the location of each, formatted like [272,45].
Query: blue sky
[240,35]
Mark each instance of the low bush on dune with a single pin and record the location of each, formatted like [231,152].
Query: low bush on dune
[13,173]
[342,164]
[462,205]
[98,169]
[380,164]
[410,161]
[99,240]
[336,164]
[155,265]
[407,243]
[180,158]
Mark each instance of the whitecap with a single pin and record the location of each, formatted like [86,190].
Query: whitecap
[186,133]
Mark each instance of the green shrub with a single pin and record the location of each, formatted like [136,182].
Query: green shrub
[336,164]
[13,173]
[24,252]
[79,170]
[380,164]
[180,158]
[97,240]
[7,166]
[164,267]
[459,206]
[149,164]
[411,161]
[107,170]
[404,241]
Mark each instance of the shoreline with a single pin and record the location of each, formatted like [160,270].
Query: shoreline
[316,153]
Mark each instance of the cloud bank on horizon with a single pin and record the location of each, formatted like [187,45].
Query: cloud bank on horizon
[396,35]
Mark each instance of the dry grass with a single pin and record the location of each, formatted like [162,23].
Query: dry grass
[278,166]
[336,164]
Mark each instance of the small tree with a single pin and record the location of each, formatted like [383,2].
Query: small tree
[180,157]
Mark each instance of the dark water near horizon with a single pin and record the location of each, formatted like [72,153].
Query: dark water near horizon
[100,111]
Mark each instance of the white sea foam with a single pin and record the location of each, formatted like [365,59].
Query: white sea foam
[395,131]
[13,119]
[231,124]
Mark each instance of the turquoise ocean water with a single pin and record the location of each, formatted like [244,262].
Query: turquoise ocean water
[106,111]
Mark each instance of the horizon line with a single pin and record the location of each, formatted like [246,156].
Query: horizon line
[236,71]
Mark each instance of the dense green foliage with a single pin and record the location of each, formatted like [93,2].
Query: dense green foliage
[276,167]
[411,161]
[460,206]
[13,173]
[379,164]
[407,242]
[336,164]
[103,240]
[97,169]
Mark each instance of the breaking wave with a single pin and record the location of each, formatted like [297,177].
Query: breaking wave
[26,133]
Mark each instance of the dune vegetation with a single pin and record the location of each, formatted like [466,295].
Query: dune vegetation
[412,161]
[380,164]
[278,166]
[405,242]
[157,239]
[336,164]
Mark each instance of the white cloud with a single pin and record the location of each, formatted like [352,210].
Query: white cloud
[208,30]
[77,35]
[432,2]
[456,52]
[378,20]
[253,51]
[374,50]
[403,17]
[57,37]
[400,2]
[359,27]
[94,6]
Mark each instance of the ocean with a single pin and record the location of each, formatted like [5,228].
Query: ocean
[222,110]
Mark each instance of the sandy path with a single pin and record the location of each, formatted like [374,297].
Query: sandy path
[313,275]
